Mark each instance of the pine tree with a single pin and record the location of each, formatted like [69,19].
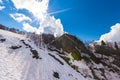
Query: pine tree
[103,43]
[116,46]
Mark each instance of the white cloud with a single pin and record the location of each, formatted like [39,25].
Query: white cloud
[20,17]
[2,7]
[27,27]
[0,1]
[113,35]
[54,26]
[38,8]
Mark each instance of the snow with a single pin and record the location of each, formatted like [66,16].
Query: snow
[19,64]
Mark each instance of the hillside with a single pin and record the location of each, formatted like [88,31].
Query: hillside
[18,61]
[36,57]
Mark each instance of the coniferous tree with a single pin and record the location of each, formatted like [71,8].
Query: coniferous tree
[103,43]
[116,46]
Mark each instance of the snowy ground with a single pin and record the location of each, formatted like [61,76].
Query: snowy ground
[18,64]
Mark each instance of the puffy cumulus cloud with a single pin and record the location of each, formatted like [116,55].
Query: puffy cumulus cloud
[38,8]
[52,26]
[27,27]
[2,7]
[113,35]
[20,17]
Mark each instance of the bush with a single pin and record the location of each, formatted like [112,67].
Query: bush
[56,75]
[76,56]
[75,67]
[15,47]
[104,50]
[35,54]
[2,40]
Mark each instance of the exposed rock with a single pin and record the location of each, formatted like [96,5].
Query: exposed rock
[15,47]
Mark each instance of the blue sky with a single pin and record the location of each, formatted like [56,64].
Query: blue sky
[87,19]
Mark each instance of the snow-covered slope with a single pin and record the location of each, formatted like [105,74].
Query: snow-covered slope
[18,61]
[98,63]
[66,58]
